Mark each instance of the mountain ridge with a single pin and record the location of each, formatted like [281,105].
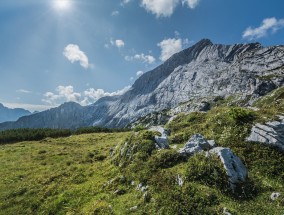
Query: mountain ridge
[199,73]
[11,114]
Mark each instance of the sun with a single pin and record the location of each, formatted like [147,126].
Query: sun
[62,4]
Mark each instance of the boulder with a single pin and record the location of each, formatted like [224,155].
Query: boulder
[196,143]
[270,133]
[274,196]
[162,141]
[236,171]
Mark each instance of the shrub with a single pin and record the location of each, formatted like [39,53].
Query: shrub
[208,171]
[166,159]
[241,115]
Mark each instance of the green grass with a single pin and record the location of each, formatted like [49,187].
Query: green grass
[57,176]
[78,175]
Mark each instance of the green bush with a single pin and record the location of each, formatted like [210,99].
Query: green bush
[208,171]
[188,199]
[241,115]
[166,159]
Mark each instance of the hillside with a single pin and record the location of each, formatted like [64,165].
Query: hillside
[198,74]
[125,173]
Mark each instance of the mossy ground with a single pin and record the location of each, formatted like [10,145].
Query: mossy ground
[77,175]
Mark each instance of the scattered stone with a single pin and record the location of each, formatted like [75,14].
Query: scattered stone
[196,143]
[174,147]
[123,148]
[144,188]
[119,192]
[236,170]
[226,212]
[108,183]
[134,208]
[179,180]
[274,196]
[141,187]
[271,133]
[110,208]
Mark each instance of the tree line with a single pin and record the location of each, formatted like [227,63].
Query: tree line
[35,134]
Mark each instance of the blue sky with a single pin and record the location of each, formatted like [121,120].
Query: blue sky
[54,51]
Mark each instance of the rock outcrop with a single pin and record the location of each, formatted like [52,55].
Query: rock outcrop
[196,143]
[270,133]
[162,141]
[235,169]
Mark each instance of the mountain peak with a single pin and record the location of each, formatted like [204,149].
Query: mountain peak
[204,42]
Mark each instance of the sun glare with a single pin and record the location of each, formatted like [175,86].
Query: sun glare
[62,4]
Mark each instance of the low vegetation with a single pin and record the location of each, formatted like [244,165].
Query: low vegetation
[110,172]
[29,134]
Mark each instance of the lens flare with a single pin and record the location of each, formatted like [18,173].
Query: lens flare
[62,4]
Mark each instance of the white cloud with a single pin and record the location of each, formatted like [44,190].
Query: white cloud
[145,58]
[169,47]
[267,25]
[93,95]
[73,53]
[124,2]
[131,78]
[165,8]
[64,93]
[23,91]
[115,13]
[191,3]
[67,94]
[139,73]
[160,8]
[141,57]
[119,43]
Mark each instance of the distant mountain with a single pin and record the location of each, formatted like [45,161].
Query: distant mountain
[7,114]
[68,115]
[197,74]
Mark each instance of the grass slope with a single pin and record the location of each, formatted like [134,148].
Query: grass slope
[77,174]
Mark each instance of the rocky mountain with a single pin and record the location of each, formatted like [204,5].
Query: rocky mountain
[7,114]
[68,115]
[196,75]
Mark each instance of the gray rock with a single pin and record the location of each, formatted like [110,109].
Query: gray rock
[235,169]
[226,212]
[119,192]
[141,187]
[162,141]
[134,208]
[212,143]
[271,133]
[196,143]
[179,180]
[274,196]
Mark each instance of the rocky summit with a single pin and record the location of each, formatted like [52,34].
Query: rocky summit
[196,75]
